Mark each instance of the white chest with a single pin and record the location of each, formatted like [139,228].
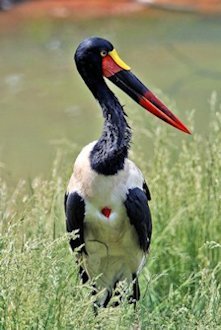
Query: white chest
[111,242]
[113,248]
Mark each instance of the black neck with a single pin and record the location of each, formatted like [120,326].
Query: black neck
[109,153]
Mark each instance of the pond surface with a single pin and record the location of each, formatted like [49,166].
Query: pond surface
[43,99]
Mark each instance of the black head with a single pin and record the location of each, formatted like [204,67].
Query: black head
[88,58]
[92,49]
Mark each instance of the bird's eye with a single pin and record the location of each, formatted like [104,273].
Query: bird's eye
[103,53]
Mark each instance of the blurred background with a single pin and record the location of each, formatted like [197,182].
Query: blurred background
[173,46]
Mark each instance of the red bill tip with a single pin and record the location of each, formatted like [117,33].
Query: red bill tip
[150,102]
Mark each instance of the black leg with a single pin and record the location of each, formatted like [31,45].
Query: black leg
[83,275]
[108,298]
[136,288]
[119,293]
[136,291]
[98,305]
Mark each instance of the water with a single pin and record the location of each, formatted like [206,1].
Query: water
[43,100]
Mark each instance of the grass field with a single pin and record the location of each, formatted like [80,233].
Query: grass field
[181,284]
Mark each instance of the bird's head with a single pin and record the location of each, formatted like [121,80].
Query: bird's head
[89,57]
[96,58]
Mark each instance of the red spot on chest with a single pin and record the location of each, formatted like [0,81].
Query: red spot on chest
[106,212]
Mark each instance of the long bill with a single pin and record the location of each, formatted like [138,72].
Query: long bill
[119,73]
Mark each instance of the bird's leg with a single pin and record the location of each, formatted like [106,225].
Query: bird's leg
[83,275]
[136,291]
[101,301]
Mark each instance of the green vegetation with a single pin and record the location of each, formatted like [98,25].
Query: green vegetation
[39,286]
[43,104]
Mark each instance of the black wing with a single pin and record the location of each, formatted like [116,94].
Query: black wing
[147,191]
[75,210]
[139,214]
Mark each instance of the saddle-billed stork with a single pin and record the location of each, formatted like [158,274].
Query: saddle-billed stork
[107,197]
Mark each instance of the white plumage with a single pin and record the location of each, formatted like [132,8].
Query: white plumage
[111,243]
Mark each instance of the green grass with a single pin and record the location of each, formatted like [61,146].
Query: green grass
[39,286]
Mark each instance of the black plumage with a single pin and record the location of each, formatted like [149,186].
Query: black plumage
[139,214]
[103,169]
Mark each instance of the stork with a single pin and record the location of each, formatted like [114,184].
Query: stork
[107,197]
